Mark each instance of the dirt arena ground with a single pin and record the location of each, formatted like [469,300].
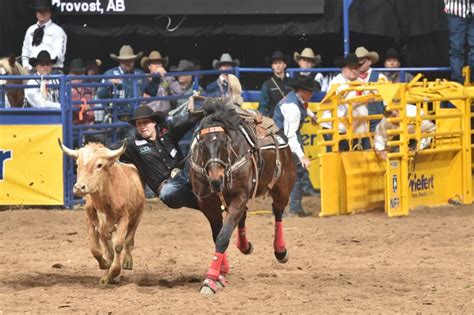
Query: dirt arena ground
[351,264]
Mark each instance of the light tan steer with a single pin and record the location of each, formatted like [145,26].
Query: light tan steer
[114,204]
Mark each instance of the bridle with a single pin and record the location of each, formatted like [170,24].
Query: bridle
[229,166]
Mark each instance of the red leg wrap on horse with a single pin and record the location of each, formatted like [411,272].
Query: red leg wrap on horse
[225,265]
[279,243]
[214,271]
[242,242]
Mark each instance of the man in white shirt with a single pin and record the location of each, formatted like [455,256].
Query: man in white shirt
[289,116]
[349,73]
[43,96]
[44,35]
[381,137]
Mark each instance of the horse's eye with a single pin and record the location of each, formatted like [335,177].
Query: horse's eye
[99,166]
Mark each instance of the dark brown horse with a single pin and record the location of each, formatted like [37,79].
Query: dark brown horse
[225,174]
[9,66]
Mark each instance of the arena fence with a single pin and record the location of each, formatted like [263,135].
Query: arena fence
[34,170]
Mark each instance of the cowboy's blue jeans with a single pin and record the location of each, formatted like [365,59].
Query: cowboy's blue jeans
[460,31]
[296,195]
[177,192]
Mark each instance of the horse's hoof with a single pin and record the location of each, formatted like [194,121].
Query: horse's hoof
[127,264]
[205,290]
[282,257]
[105,280]
[210,287]
[221,282]
[248,251]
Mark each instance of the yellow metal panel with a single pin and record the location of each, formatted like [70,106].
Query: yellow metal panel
[312,150]
[250,105]
[330,174]
[34,173]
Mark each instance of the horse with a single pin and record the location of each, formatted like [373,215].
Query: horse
[226,173]
[9,66]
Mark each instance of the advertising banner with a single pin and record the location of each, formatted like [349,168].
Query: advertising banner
[31,165]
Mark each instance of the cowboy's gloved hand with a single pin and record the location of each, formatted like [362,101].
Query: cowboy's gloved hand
[381,154]
[314,120]
[305,162]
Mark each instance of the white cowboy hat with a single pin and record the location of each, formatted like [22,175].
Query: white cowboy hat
[126,53]
[307,53]
[154,56]
[225,58]
[362,52]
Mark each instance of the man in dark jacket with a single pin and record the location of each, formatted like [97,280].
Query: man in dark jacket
[154,150]
[275,88]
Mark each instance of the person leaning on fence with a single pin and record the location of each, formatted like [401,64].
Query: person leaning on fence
[154,150]
[393,60]
[460,15]
[349,73]
[219,87]
[367,74]
[275,88]
[289,116]
[158,86]
[44,95]
[123,87]
[381,136]
[184,84]
[84,116]
[44,35]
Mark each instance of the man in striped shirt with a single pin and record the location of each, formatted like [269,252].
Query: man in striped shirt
[460,15]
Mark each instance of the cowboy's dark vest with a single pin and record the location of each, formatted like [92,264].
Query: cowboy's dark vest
[278,116]
[374,108]
[272,93]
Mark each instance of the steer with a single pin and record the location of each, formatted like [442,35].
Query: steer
[114,204]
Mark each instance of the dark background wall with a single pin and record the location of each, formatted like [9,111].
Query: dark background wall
[417,28]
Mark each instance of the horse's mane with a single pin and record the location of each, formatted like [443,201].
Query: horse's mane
[11,66]
[219,113]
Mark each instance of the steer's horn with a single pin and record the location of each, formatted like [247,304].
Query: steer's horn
[69,152]
[116,153]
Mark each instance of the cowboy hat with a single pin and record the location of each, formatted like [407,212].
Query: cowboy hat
[305,82]
[77,65]
[183,65]
[349,60]
[153,57]
[362,52]
[277,55]
[309,54]
[43,4]
[42,56]
[225,58]
[126,53]
[145,111]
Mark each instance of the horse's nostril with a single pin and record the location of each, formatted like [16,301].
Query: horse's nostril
[216,185]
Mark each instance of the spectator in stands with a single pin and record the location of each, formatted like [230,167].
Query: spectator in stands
[275,88]
[289,116]
[44,35]
[460,14]
[381,137]
[93,67]
[367,74]
[349,73]
[84,116]
[158,86]
[123,87]
[44,96]
[184,83]
[392,60]
[308,60]
[220,86]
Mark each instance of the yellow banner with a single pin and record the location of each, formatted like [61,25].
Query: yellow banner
[31,165]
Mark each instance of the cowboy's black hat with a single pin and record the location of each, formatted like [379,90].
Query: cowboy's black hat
[145,111]
[392,53]
[42,56]
[350,60]
[277,55]
[305,82]
[43,4]
[77,65]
